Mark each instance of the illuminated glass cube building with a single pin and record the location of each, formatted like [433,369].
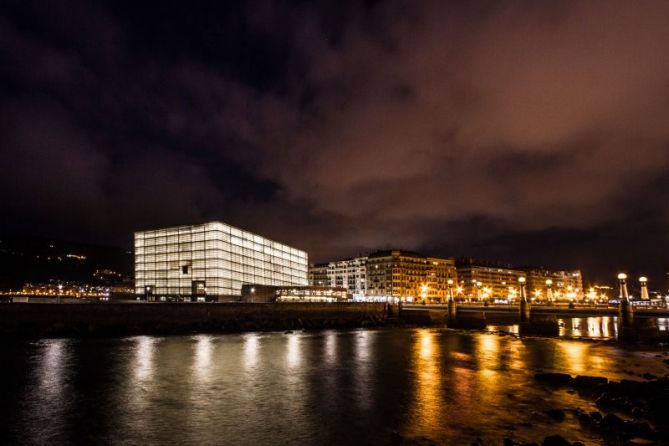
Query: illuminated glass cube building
[211,261]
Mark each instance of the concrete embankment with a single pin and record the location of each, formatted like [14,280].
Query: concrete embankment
[21,320]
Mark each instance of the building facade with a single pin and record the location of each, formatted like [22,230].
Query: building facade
[487,282]
[270,294]
[481,281]
[318,275]
[211,261]
[564,285]
[408,276]
[350,274]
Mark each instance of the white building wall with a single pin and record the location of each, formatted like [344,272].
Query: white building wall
[223,256]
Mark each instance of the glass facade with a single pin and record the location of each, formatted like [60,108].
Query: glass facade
[212,258]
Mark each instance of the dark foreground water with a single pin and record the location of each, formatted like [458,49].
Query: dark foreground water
[302,388]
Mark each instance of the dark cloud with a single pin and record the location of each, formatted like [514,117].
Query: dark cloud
[528,132]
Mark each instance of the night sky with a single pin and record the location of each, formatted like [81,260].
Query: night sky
[524,132]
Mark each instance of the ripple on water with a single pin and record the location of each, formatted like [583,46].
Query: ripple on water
[326,387]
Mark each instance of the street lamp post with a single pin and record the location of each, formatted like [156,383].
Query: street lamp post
[625,308]
[452,309]
[524,304]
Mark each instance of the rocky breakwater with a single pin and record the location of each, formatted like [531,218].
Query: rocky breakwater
[113,319]
[630,412]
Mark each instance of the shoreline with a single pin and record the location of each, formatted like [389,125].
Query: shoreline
[29,321]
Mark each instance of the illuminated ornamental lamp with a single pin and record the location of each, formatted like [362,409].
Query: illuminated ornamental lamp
[452,309]
[549,290]
[524,304]
[625,308]
[643,282]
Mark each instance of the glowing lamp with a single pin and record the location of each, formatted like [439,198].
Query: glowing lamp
[622,276]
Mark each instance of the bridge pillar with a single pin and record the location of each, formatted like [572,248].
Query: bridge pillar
[625,308]
[452,308]
[631,328]
[524,303]
[643,282]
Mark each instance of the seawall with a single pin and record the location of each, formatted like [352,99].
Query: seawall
[27,320]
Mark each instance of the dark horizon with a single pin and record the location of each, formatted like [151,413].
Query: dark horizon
[504,131]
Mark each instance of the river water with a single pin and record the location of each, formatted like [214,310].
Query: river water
[301,388]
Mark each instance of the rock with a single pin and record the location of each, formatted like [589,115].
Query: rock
[584,419]
[612,422]
[553,378]
[555,440]
[637,441]
[556,414]
[658,408]
[605,400]
[637,428]
[583,381]
[637,412]
[396,437]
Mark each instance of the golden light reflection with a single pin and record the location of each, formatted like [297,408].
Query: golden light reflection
[463,378]
[575,354]
[250,350]
[293,350]
[203,353]
[331,347]
[144,352]
[488,346]
[605,327]
[428,378]
[363,368]
[489,361]
[52,368]
[516,355]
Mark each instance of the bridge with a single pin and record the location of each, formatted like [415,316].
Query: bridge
[638,324]
[557,310]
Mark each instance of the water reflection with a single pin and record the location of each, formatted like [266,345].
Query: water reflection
[488,355]
[331,347]
[293,350]
[574,354]
[144,351]
[331,387]
[363,365]
[203,352]
[427,358]
[52,374]
[250,350]
[599,327]
[488,348]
